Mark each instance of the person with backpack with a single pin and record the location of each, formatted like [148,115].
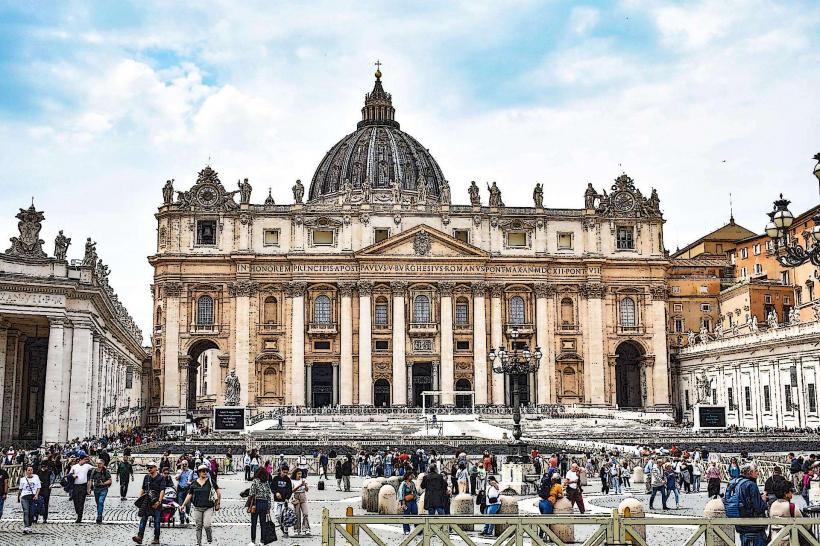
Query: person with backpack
[282,490]
[435,492]
[657,480]
[44,473]
[493,505]
[205,497]
[544,486]
[744,500]
[184,479]
[150,502]
[28,490]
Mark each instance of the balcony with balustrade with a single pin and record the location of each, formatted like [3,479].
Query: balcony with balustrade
[323,328]
[523,328]
[423,328]
[269,328]
[204,329]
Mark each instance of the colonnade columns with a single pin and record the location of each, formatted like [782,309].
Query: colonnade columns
[400,382]
[336,386]
[82,354]
[480,342]
[4,329]
[296,290]
[7,386]
[365,350]
[16,387]
[53,418]
[170,370]
[345,385]
[92,418]
[309,384]
[65,398]
[447,384]
[660,370]
[594,293]
[408,382]
[543,338]
[497,339]
[242,291]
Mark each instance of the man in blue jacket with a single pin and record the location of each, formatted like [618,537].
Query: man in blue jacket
[752,505]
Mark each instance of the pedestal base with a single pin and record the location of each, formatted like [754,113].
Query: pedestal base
[513,476]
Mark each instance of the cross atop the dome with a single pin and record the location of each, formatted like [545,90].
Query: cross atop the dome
[378,69]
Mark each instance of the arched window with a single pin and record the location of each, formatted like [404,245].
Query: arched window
[205,310]
[321,310]
[421,309]
[381,312]
[270,312]
[567,312]
[627,312]
[462,312]
[269,381]
[517,310]
[570,382]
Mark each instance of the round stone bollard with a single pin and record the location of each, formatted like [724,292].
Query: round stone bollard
[418,480]
[364,493]
[463,505]
[388,503]
[563,531]
[715,509]
[632,508]
[372,493]
[637,475]
[509,507]
[395,481]
[582,477]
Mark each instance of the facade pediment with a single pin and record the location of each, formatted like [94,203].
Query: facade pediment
[423,241]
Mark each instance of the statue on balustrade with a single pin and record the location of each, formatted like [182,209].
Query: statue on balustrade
[475,196]
[232,389]
[538,196]
[168,192]
[61,246]
[298,192]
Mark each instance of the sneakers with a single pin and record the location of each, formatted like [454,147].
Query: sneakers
[155,541]
[137,539]
[27,530]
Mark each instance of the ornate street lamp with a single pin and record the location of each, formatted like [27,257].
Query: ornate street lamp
[780,222]
[513,363]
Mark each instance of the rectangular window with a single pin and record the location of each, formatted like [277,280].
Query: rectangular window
[565,241]
[756,249]
[678,307]
[323,237]
[626,239]
[676,289]
[462,314]
[129,377]
[321,345]
[758,269]
[787,398]
[271,237]
[462,235]
[730,395]
[732,258]
[382,345]
[769,245]
[678,326]
[747,396]
[786,300]
[462,345]
[812,394]
[744,253]
[767,398]
[380,234]
[784,278]
[381,314]
[516,239]
[706,323]
[705,307]
[686,396]
[767,298]
[703,289]
[206,232]
[744,272]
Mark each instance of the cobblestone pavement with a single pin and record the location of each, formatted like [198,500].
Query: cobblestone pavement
[232,527]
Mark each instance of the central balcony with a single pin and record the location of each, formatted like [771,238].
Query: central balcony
[210,329]
[269,328]
[524,328]
[636,330]
[322,328]
[423,328]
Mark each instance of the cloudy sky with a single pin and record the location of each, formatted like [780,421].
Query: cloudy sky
[100,103]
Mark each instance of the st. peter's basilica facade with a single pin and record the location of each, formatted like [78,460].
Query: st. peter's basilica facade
[373,288]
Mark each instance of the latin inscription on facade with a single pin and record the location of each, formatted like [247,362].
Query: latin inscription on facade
[41,300]
[423,268]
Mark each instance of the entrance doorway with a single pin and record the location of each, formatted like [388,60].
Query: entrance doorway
[321,378]
[422,381]
[195,352]
[381,393]
[628,390]
[523,390]
[463,400]
[32,394]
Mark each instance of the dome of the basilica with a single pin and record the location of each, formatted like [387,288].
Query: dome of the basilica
[376,156]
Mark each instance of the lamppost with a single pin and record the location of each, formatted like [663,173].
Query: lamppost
[513,363]
[780,221]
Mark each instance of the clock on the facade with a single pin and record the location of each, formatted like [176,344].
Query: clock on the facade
[624,201]
[207,195]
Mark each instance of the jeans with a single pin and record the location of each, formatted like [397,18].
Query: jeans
[99,498]
[25,503]
[616,485]
[435,511]
[203,518]
[696,483]
[124,486]
[183,512]
[758,538]
[410,508]
[676,491]
[79,494]
[346,482]
[388,470]
[489,528]
[262,508]
[664,495]
[150,513]
[545,507]
[2,503]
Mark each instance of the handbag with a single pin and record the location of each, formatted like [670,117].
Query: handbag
[268,532]
[250,504]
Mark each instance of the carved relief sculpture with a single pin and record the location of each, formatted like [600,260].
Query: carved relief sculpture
[243,288]
[61,244]
[28,244]
[421,244]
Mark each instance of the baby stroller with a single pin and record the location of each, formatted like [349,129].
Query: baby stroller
[169,508]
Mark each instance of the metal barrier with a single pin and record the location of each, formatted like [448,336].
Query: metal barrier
[609,530]
[15,472]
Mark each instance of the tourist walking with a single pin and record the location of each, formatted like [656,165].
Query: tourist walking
[435,492]
[205,497]
[734,469]
[493,505]
[282,489]
[657,478]
[184,479]
[150,502]
[338,473]
[697,471]
[99,483]
[323,461]
[125,473]
[574,492]
[744,500]
[713,480]
[246,464]
[258,503]
[463,477]
[45,474]
[28,489]
[671,484]
[4,488]
[347,471]
[408,497]
[79,472]
[299,487]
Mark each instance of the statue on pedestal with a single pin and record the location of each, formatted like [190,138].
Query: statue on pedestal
[495,196]
[445,193]
[168,192]
[232,389]
[245,192]
[298,192]
[90,256]
[61,246]
[538,196]
[475,196]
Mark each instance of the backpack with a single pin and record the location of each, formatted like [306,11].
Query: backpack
[736,506]
[544,486]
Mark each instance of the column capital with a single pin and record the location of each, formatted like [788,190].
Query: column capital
[334,364]
[224,360]
[592,290]
[659,292]
[399,288]
[346,288]
[172,289]
[185,362]
[496,289]
[446,288]
[479,288]
[244,288]
[57,322]
[296,289]
[544,290]
[365,288]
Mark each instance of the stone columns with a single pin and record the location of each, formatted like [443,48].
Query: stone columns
[345,395]
[400,383]
[92,418]
[336,386]
[660,371]
[447,368]
[544,339]
[242,291]
[436,366]
[480,342]
[53,418]
[296,290]
[170,370]
[594,294]
[4,329]
[7,386]
[365,349]
[408,381]
[65,398]
[82,355]
[309,384]
[497,338]
[17,386]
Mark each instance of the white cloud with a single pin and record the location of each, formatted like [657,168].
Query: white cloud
[583,19]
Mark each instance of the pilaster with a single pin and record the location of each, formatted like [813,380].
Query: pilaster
[296,291]
[54,419]
[480,343]
[400,382]
[365,348]
[447,367]
[497,338]
[346,330]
